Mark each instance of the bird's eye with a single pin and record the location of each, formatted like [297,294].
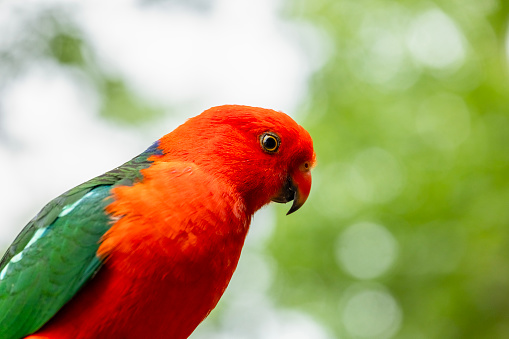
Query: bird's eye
[270,142]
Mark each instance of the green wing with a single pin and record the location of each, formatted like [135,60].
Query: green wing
[55,254]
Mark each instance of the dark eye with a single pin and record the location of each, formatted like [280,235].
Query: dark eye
[270,142]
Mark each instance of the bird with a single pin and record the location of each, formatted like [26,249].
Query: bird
[147,249]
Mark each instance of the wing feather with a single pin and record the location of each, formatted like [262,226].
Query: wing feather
[55,254]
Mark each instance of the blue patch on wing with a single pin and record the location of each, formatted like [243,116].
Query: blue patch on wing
[154,149]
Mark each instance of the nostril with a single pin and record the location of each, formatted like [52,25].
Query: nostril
[305,166]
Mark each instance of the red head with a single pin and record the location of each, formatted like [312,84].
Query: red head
[264,155]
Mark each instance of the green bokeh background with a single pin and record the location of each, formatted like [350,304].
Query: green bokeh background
[421,148]
[411,132]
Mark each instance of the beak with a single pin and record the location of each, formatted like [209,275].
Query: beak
[296,188]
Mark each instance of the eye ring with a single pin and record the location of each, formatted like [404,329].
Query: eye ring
[270,142]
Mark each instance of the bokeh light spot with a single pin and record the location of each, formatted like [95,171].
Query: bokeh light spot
[380,57]
[366,250]
[435,41]
[370,312]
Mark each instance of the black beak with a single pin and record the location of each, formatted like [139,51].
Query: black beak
[288,193]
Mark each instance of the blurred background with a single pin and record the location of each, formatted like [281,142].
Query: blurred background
[405,234]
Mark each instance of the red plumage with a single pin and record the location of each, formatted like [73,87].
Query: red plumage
[177,235]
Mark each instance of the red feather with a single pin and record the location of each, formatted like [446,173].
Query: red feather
[177,235]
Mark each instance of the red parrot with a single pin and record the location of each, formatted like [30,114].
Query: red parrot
[147,249]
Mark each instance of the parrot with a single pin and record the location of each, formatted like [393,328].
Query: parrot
[147,249]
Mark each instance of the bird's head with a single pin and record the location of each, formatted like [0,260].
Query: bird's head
[264,155]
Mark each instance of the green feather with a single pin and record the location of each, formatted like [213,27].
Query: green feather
[55,254]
